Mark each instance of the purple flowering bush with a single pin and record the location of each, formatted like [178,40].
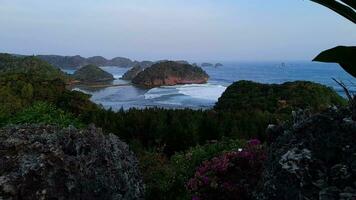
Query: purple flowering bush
[233,175]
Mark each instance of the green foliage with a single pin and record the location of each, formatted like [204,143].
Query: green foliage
[345,9]
[170,176]
[160,73]
[178,130]
[24,81]
[92,73]
[44,113]
[277,100]
[29,65]
[345,56]
[27,91]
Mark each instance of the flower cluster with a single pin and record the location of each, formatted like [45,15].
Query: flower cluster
[233,175]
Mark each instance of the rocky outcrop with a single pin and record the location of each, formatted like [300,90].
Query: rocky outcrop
[170,73]
[47,162]
[92,73]
[207,65]
[218,65]
[132,73]
[313,159]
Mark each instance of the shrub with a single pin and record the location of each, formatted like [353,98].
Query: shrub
[169,176]
[44,113]
[233,175]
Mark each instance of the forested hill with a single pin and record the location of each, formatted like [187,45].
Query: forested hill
[79,61]
[30,66]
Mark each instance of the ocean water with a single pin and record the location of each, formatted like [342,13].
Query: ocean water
[204,96]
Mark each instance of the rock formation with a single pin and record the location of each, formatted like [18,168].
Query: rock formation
[313,159]
[47,162]
[132,73]
[170,73]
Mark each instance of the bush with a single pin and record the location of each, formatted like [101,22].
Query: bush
[169,176]
[233,175]
[44,113]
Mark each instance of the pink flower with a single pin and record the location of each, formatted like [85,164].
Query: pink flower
[254,142]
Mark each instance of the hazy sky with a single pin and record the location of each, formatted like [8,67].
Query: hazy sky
[196,30]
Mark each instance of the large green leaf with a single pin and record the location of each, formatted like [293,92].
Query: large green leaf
[345,56]
[346,9]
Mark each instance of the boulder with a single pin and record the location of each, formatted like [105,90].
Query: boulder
[47,162]
[312,159]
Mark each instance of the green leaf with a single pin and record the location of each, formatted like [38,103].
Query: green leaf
[344,56]
[341,9]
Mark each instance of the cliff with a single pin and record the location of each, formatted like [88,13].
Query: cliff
[92,73]
[170,73]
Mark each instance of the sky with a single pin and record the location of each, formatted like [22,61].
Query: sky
[194,30]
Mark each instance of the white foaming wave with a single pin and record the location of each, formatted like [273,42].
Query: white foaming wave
[202,91]
[159,92]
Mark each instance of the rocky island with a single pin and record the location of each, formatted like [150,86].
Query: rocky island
[170,73]
[92,73]
[207,65]
[132,73]
[218,65]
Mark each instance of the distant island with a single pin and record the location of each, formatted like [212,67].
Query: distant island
[79,61]
[170,73]
[92,74]
[207,65]
[211,65]
[76,62]
[218,65]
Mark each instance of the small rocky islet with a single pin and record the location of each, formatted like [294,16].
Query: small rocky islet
[170,73]
[92,74]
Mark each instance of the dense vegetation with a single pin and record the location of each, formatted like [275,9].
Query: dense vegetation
[92,73]
[278,99]
[170,144]
[170,73]
[31,66]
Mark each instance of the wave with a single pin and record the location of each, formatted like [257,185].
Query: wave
[202,91]
[160,92]
[207,91]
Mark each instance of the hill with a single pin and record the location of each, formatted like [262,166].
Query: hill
[79,61]
[278,98]
[29,65]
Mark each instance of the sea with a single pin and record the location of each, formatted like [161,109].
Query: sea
[123,95]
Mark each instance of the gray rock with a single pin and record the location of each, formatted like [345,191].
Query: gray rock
[47,162]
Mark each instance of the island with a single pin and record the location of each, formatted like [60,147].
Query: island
[170,73]
[132,73]
[207,65]
[218,65]
[92,74]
